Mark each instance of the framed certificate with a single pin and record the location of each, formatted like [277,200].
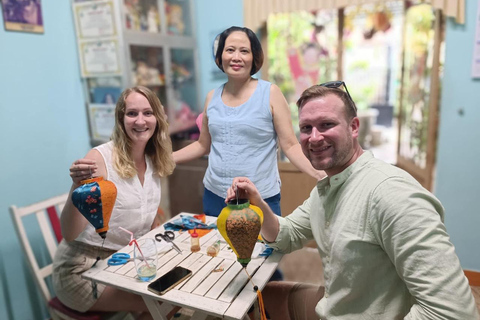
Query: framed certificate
[94,20]
[102,120]
[99,58]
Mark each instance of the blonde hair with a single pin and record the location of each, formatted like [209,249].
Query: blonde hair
[158,148]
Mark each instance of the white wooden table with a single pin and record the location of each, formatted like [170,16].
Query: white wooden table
[225,294]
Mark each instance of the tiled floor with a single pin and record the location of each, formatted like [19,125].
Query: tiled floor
[386,149]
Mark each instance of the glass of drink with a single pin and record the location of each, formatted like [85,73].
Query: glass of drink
[145,259]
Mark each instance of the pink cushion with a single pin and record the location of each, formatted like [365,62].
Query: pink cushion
[91,315]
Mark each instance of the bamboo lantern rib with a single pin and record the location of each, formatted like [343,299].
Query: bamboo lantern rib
[301,5]
[275,6]
[256,12]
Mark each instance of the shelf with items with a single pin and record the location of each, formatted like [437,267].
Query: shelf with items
[177,22]
[147,69]
[125,43]
[146,16]
[174,81]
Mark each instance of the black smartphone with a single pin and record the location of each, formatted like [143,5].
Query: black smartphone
[169,280]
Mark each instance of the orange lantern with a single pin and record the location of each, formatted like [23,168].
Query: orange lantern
[95,199]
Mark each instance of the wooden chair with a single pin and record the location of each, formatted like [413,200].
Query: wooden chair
[49,222]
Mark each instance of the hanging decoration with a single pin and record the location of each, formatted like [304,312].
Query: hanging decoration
[239,223]
[95,199]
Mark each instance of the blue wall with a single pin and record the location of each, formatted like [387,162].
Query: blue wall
[458,173]
[213,16]
[43,128]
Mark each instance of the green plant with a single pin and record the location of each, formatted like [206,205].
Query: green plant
[293,32]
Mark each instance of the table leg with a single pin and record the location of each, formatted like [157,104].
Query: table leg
[199,316]
[157,310]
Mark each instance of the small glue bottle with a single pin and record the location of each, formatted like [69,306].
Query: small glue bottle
[194,241]
[213,249]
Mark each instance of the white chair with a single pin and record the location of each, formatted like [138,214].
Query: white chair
[49,222]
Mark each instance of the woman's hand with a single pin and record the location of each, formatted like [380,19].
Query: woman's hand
[158,220]
[82,169]
[320,174]
[246,190]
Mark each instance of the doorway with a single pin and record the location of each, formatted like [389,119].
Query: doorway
[366,46]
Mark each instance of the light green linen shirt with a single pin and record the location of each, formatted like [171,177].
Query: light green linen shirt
[384,247]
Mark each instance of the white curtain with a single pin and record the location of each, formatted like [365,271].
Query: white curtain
[256,11]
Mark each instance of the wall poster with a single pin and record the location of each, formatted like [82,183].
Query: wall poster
[23,15]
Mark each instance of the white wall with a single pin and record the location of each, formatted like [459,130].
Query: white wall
[458,173]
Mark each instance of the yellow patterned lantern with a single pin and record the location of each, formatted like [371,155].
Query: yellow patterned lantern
[95,199]
[239,223]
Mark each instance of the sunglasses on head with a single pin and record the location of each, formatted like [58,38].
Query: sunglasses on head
[338,85]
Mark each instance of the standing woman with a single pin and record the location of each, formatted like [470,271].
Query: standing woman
[139,153]
[242,120]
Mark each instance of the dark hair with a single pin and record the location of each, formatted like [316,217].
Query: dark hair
[317,91]
[257,51]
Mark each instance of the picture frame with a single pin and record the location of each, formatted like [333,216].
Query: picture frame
[102,120]
[99,58]
[94,20]
[23,16]
[106,95]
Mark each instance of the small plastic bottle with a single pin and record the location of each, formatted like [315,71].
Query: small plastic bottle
[213,249]
[194,241]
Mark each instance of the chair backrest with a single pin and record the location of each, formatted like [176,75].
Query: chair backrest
[47,217]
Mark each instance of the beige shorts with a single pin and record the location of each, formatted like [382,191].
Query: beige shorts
[71,260]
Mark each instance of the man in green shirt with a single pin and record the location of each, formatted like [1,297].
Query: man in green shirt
[384,248]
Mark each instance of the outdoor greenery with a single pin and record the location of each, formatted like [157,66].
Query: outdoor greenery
[419,36]
[286,31]
[292,34]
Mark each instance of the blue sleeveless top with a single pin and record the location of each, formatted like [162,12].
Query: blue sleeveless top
[244,143]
